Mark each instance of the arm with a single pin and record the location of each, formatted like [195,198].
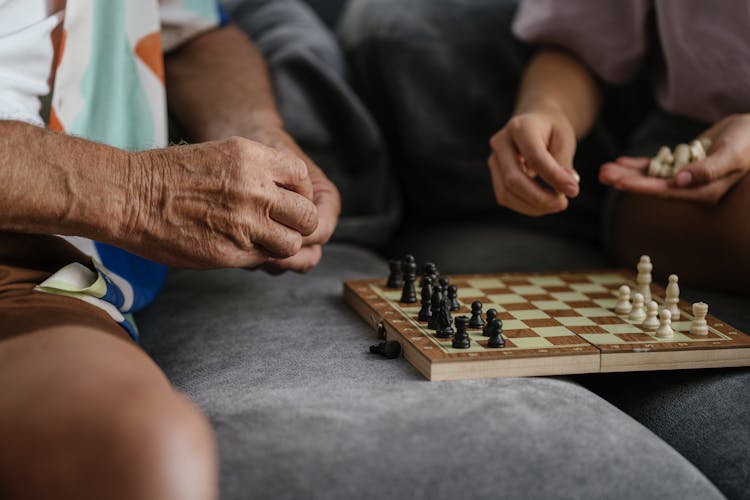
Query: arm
[218,86]
[557,104]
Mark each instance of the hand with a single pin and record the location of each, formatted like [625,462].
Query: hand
[705,181]
[327,201]
[229,203]
[538,143]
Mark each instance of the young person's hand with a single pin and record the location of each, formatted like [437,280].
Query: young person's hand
[705,181]
[533,144]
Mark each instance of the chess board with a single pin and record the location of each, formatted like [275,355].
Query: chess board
[554,324]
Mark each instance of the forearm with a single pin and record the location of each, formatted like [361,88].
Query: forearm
[556,79]
[58,184]
[218,86]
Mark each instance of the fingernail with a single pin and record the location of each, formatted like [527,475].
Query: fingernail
[683,179]
[576,177]
[570,190]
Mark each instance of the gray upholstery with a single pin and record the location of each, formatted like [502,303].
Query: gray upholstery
[301,410]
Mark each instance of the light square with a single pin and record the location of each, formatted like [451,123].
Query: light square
[528,289]
[626,328]
[532,343]
[587,287]
[602,338]
[605,279]
[594,312]
[569,296]
[514,324]
[553,331]
[469,292]
[606,303]
[486,283]
[507,298]
[529,314]
[575,321]
[550,305]
[546,281]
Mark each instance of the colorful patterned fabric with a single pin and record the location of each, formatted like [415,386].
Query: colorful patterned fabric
[105,59]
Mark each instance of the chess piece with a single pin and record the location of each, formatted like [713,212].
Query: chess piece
[461,339]
[444,321]
[623,305]
[699,325]
[496,334]
[435,302]
[673,297]
[430,270]
[665,325]
[444,282]
[697,152]
[643,279]
[651,323]
[491,316]
[391,349]
[396,276]
[453,298]
[638,314]
[409,293]
[476,320]
[681,157]
[425,312]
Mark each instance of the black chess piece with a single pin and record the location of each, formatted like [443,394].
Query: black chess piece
[395,278]
[496,334]
[409,293]
[430,270]
[453,296]
[425,313]
[476,320]
[461,340]
[444,282]
[444,321]
[391,349]
[435,301]
[491,315]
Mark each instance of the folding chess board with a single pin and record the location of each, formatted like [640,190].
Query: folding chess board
[554,324]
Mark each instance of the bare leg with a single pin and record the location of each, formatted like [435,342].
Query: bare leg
[707,246]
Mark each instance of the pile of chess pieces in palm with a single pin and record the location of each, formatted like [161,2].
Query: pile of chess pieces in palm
[650,319]
[667,163]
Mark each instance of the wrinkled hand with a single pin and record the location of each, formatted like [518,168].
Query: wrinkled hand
[327,201]
[705,181]
[535,144]
[229,203]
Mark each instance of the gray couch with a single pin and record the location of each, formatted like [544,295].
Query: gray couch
[302,410]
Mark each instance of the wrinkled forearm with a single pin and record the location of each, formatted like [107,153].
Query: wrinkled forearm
[51,183]
[556,79]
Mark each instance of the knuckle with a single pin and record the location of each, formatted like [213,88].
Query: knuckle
[297,169]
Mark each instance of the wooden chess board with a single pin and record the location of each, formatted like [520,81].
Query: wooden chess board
[554,324]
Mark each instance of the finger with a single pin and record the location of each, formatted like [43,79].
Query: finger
[633,162]
[278,240]
[289,172]
[294,211]
[328,205]
[720,163]
[610,173]
[305,260]
[535,153]
[519,191]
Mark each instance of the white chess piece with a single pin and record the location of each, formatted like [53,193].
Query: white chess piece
[699,325]
[665,325]
[681,157]
[643,279]
[651,323]
[696,151]
[623,305]
[673,297]
[637,315]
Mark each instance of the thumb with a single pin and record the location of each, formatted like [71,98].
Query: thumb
[562,147]
[718,164]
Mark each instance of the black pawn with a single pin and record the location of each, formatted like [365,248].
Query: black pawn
[426,312]
[476,320]
[496,334]
[395,278]
[435,301]
[390,349]
[453,297]
[491,315]
[409,293]
[443,285]
[461,340]
[444,322]
[430,270]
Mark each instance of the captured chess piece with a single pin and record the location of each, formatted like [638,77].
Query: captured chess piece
[496,334]
[651,323]
[435,302]
[395,278]
[444,321]
[665,325]
[491,316]
[643,279]
[409,293]
[425,312]
[476,320]
[699,326]
[638,313]
[672,299]
[391,349]
[461,339]
[453,298]
[623,305]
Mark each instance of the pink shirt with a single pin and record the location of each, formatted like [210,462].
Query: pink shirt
[697,52]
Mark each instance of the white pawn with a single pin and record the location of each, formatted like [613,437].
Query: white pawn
[673,296]
[651,323]
[643,279]
[665,325]
[699,325]
[623,305]
[637,315]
